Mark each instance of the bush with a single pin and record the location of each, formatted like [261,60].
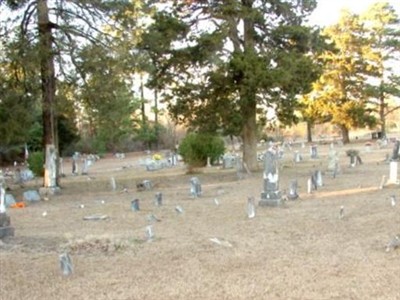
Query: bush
[196,147]
[36,163]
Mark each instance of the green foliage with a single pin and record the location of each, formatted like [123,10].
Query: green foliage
[36,163]
[195,148]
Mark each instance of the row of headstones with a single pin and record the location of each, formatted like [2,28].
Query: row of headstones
[87,161]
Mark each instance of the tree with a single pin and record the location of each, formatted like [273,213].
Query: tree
[382,31]
[237,60]
[340,91]
[56,42]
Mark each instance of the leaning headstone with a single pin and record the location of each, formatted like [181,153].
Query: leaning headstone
[66,264]
[292,194]
[251,208]
[383,181]
[195,187]
[158,199]
[271,195]
[31,196]
[135,205]
[179,209]
[314,151]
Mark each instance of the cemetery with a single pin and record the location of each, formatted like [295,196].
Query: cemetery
[316,228]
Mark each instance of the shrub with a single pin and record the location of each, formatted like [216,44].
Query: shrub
[36,163]
[196,147]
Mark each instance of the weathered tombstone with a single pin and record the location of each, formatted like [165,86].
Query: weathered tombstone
[293,195]
[318,178]
[393,173]
[368,147]
[341,212]
[31,196]
[393,200]
[314,151]
[309,186]
[85,166]
[355,158]
[393,244]
[396,148]
[113,183]
[5,224]
[9,200]
[66,264]
[297,157]
[271,195]
[26,175]
[17,176]
[251,208]
[149,233]
[216,201]
[179,209]
[147,185]
[75,168]
[228,161]
[383,181]
[135,205]
[158,199]
[195,187]
[333,162]
[208,162]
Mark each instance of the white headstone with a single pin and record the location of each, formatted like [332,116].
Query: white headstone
[393,173]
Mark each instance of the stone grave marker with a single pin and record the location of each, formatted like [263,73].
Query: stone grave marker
[9,200]
[179,209]
[5,224]
[66,264]
[85,166]
[297,157]
[333,162]
[292,194]
[355,158]
[113,184]
[31,196]
[341,212]
[195,187]
[318,178]
[251,208]
[393,200]
[135,205]
[240,169]
[158,199]
[396,149]
[393,173]
[149,233]
[271,195]
[75,167]
[145,185]
[314,151]
[228,161]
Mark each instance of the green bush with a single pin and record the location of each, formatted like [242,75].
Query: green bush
[196,147]
[36,163]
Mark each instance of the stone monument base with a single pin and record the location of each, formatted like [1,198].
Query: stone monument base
[5,228]
[276,200]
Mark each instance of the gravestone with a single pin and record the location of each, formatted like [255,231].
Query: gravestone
[333,162]
[179,209]
[251,208]
[228,161]
[135,205]
[240,170]
[297,157]
[113,183]
[5,224]
[158,199]
[314,151]
[75,167]
[17,176]
[195,187]
[66,264]
[271,195]
[396,149]
[292,194]
[393,173]
[61,165]
[85,166]
[318,178]
[31,196]
[9,200]
[149,233]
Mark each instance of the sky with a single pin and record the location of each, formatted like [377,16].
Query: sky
[328,11]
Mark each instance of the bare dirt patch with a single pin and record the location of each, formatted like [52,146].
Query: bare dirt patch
[299,251]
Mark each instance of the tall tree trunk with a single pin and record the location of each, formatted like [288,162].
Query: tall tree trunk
[309,131]
[345,134]
[249,135]
[382,116]
[248,96]
[48,95]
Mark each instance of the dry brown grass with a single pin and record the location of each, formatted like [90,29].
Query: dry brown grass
[299,251]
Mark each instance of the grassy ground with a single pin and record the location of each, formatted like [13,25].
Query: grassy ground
[299,251]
